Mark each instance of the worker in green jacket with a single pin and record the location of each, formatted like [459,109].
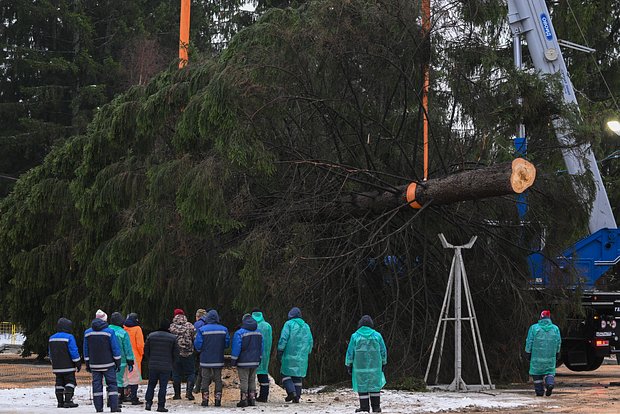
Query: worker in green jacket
[366,357]
[127,358]
[262,372]
[542,349]
[294,346]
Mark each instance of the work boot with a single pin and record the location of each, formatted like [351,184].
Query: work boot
[134,395]
[205,399]
[243,402]
[148,405]
[290,396]
[218,399]
[251,399]
[121,395]
[162,409]
[69,400]
[177,390]
[60,396]
[188,391]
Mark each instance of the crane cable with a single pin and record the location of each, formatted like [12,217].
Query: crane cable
[598,68]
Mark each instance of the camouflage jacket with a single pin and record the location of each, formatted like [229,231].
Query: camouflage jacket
[185,333]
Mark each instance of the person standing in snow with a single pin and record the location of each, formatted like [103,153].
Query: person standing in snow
[247,348]
[162,351]
[294,346]
[262,372]
[127,358]
[201,320]
[133,378]
[102,354]
[366,357]
[542,349]
[211,341]
[65,359]
[184,366]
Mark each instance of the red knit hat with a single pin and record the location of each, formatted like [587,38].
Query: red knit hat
[178,312]
[545,314]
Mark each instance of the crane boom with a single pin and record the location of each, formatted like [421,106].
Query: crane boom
[530,18]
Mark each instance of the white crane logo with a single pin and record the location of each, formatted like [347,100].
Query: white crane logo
[546,26]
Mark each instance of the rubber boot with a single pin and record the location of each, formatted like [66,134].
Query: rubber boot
[188,391]
[297,393]
[205,399]
[177,390]
[243,402]
[60,396]
[218,399]
[364,404]
[69,398]
[263,394]
[375,403]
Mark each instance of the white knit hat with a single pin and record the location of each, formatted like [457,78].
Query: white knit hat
[101,315]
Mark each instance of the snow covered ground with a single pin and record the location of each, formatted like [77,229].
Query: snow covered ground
[8,339]
[42,400]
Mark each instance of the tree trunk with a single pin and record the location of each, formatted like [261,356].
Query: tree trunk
[497,180]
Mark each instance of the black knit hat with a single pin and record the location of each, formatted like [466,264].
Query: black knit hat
[366,320]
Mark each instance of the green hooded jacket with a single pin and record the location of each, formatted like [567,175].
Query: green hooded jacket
[543,343]
[265,329]
[126,352]
[296,342]
[367,354]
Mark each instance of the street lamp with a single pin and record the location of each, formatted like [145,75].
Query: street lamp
[614,126]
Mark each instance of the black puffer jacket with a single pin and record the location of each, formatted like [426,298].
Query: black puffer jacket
[161,349]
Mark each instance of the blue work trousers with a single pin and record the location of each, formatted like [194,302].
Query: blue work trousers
[292,385]
[156,376]
[542,382]
[110,380]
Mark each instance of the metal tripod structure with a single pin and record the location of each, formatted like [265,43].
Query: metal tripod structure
[458,282]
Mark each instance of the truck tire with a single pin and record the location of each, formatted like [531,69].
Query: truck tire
[592,363]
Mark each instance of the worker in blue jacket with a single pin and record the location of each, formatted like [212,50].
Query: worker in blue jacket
[211,341]
[102,354]
[65,359]
[247,349]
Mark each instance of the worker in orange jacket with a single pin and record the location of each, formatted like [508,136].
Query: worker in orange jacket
[132,326]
